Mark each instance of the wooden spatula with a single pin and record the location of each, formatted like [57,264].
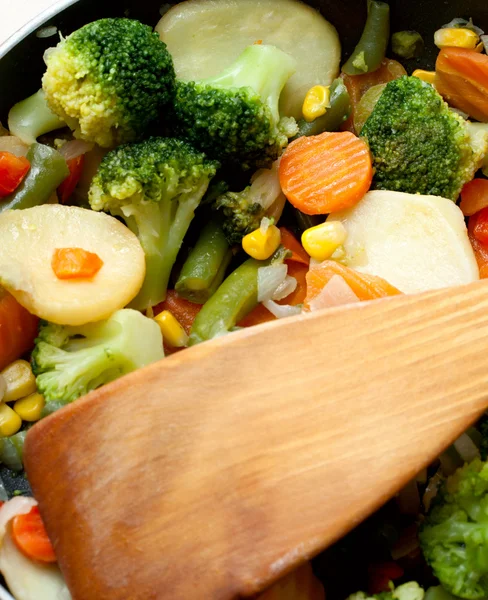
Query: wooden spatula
[212,473]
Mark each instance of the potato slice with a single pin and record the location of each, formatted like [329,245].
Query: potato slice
[205,36]
[28,579]
[415,242]
[29,238]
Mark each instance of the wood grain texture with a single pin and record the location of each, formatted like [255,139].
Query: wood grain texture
[216,471]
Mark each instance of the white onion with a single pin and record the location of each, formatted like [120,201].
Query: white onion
[14,145]
[459,22]
[432,489]
[288,286]
[466,448]
[20,505]
[266,186]
[281,311]
[46,32]
[276,209]
[269,279]
[264,225]
[75,148]
[484,39]
[335,293]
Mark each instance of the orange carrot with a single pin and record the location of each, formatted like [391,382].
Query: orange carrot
[358,85]
[183,310]
[326,173]
[67,187]
[474,197]
[18,329]
[366,287]
[290,242]
[480,249]
[298,585]
[461,77]
[30,536]
[75,263]
[13,169]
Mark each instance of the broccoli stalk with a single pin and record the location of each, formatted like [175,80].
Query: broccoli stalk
[155,187]
[32,117]
[243,211]
[454,536]
[70,361]
[234,117]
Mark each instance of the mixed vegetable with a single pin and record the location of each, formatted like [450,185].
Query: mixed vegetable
[163,189]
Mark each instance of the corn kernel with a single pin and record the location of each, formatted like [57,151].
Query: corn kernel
[173,333]
[321,241]
[456,37]
[261,245]
[427,76]
[20,380]
[30,408]
[480,47]
[3,387]
[316,102]
[10,422]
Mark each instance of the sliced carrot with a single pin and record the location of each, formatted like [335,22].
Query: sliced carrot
[480,249]
[366,287]
[258,315]
[75,263]
[18,329]
[13,169]
[461,77]
[30,536]
[326,173]
[358,85]
[67,187]
[290,242]
[301,584]
[474,197]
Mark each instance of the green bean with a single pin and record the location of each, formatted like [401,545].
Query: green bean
[371,48]
[337,113]
[32,117]
[11,451]
[48,169]
[51,407]
[205,267]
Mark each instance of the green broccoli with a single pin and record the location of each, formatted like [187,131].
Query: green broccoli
[242,211]
[407,44]
[454,536]
[32,117]
[418,144]
[234,117]
[155,187]
[406,591]
[109,80]
[70,361]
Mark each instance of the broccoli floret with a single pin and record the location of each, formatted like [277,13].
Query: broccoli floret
[418,144]
[242,211]
[155,186]
[234,117]
[406,591]
[109,80]
[70,361]
[454,536]
[407,44]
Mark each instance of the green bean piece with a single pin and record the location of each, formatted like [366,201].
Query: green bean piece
[337,113]
[371,48]
[407,44]
[32,117]
[11,451]
[204,269]
[48,169]
[304,221]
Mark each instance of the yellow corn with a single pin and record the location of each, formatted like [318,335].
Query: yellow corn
[20,380]
[457,37]
[316,102]
[427,76]
[30,407]
[3,387]
[480,47]
[320,242]
[10,422]
[261,245]
[173,333]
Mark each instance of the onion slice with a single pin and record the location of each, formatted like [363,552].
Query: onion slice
[281,311]
[269,279]
[335,293]
[20,505]
[14,145]
[75,148]
[287,287]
